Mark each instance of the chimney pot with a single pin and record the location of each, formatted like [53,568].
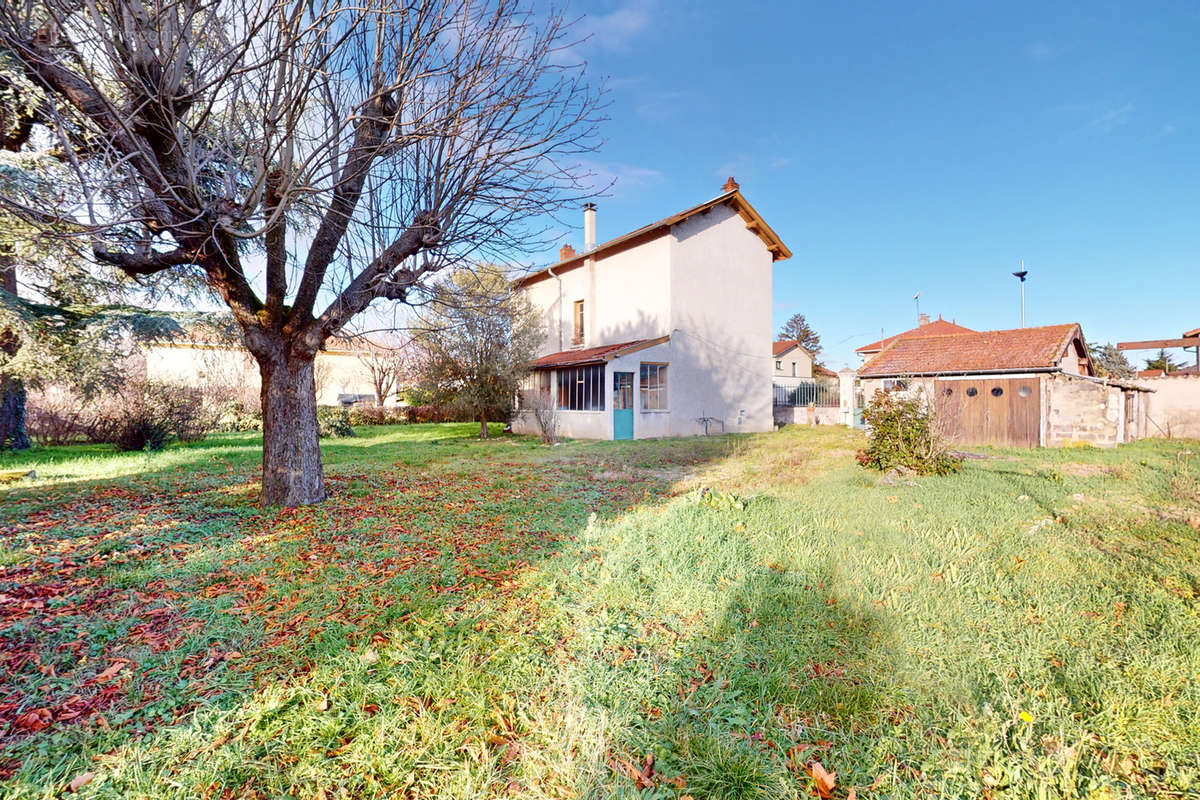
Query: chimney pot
[565,252]
[730,186]
[589,227]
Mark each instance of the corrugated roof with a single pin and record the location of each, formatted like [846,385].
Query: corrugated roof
[985,351]
[937,327]
[595,355]
[754,222]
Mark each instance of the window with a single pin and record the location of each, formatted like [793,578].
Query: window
[654,387]
[577,323]
[793,369]
[997,391]
[581,388]
[779,366]
[894,385]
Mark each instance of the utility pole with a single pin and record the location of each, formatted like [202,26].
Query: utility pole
[1021,277]
[917,298]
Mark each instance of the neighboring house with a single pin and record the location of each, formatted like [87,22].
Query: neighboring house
[925,327]
[662,331]
[793,362]
[342,377]
[1025,387]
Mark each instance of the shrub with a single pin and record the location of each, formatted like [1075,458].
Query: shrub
[54,416]
[376,415]
[144,415]
[333,422]
[903,434]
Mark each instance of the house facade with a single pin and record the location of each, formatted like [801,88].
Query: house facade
[792,363]
[661,332]
[1026,387]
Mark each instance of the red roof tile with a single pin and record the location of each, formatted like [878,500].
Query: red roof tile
[1011,350]
[595,355]
[937,327]
[784,345]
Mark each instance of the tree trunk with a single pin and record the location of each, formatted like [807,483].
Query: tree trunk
[13,435]
[483,434]
[292,473]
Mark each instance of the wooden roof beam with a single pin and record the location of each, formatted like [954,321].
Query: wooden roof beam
[1158,344]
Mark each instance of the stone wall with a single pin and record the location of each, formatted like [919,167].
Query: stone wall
[1174,408]
[1082,412]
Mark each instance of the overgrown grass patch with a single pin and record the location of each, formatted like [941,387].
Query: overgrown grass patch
[489,619]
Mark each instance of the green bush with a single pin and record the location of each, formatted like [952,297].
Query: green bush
[903,434]
[375,415]
[333,422]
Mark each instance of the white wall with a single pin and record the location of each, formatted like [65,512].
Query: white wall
[198,365]
[626,296]
[720,325]
[796,361]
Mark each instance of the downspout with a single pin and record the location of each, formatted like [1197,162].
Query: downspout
[558,278]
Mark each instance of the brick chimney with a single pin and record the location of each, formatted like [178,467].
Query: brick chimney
[923,319]
[730,186]
[565,252]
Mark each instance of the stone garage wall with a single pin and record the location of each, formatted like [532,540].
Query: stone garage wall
[1174,407]
[1082,412]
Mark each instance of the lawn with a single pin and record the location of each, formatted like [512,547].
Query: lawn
[499,618]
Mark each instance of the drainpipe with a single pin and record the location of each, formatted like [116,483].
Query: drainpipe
[558,278]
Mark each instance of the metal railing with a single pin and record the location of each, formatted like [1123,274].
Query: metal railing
[812,392]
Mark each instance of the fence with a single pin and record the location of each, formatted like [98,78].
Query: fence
[814,392]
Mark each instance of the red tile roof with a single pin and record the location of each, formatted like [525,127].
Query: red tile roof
[784,345]
[825,371]
[935,328]
[595,355]
[987,351]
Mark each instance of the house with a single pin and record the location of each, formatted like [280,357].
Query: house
[662,331]
[1175,405]
[925,327]
[342,371]
[793,362]
[1025,387]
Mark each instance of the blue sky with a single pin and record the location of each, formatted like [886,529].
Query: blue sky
[922,146]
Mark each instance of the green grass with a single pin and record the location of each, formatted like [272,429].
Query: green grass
[489,619]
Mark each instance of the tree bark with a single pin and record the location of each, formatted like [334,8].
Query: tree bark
[291,471]
[483,434]
[13,434]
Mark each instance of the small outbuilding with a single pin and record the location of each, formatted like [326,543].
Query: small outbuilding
[1026,387]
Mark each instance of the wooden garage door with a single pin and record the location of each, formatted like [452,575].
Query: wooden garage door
[1004,411]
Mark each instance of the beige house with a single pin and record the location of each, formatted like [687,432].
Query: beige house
[1025,387]
[342,373]
[662,331]
[791,363]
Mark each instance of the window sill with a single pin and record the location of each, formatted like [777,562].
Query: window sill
[656,411]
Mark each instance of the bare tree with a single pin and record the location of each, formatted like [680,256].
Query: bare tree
[386,366]
[303,158]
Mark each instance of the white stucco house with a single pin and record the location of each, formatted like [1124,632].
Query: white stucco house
[663,331]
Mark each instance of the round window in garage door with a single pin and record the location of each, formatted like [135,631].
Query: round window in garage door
[997,391]
[972,391]
[1024,391]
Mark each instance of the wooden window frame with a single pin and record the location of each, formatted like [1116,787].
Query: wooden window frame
[577,322]
[654,396]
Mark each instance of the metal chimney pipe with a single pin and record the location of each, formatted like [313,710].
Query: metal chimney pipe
[589,227]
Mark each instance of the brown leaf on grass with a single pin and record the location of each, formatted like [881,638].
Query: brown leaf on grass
[80,781]
[111,671]
[852,794]
[322,704]
[823,780]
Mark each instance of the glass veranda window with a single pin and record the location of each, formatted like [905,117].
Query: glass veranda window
[581,388]
[654,387]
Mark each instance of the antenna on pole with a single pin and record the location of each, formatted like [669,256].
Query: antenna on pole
[1021,277]
[917,299]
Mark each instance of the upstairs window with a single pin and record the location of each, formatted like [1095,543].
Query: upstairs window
[793,369]
[581,388]
[654,387]
[779,366]
[577,323]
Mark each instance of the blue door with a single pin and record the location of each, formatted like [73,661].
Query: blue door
[622,405]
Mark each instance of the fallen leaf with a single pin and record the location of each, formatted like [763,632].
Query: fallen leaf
[80,781]
[111,672]
[322,704]
[822,778]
